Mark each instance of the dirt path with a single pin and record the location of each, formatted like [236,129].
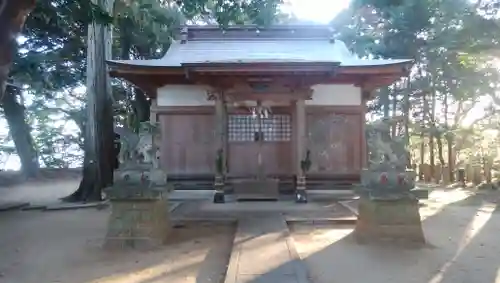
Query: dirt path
[463,248]
[44,192]
[47,247]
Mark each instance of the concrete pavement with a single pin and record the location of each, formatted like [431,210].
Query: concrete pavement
[263,252]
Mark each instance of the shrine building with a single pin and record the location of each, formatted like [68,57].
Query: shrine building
[261,100]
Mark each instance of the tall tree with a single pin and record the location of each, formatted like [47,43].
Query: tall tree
[444,37]
[99,135]
[12,16]
[20,131]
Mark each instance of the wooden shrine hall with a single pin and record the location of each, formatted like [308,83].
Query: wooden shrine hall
[260,110]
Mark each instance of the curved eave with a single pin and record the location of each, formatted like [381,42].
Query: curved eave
[150,77]
[124,67]
[402,68]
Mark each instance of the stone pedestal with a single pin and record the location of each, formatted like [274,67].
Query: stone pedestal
[139,218]
[219,195]
[391,221]
[300,190]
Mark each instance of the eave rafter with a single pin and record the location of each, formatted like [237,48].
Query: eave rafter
[235,80]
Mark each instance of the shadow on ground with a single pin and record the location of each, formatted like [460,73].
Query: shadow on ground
[462,246]
[40,247]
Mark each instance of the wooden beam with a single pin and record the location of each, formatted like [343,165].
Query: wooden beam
[266,96]
[261,67]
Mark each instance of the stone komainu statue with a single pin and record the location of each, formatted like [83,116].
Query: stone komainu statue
[138,148]
[387,175]
[383,149]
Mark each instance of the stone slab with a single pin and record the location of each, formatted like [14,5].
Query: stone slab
[247,197]
[420,193]
[263,206]
[35,207]
[70,206]
[9,206]
[174,205]
[180,195]
[351,205]
[264,252]
[267,278]
[330,195]
[323,221]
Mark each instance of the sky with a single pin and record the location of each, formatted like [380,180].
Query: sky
[320,11]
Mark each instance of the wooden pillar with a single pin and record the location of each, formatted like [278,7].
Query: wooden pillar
[156,142]
[301,156]
[153,115]
[221,147]
[364,146]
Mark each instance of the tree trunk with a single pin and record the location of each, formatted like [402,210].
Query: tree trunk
[451,160]
[432,123]
[12,17]
[439,141]
[449,141]
[99,135]
[422,136]
[407,117]
[125,40]
[394,112]
[20,132]
[142,106]
[384,96]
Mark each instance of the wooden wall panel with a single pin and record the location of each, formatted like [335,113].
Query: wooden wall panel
[334,139]
[276,158]
[334,136]
[188,144]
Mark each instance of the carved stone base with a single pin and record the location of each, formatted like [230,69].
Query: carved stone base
[219,197]
[300,190]
[301,196]
[391,221]
[140,222]
[143,175]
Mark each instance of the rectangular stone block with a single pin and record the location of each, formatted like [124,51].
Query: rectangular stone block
[138,224]
[397,220]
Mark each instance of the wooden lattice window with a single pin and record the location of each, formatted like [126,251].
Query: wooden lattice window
[245,128]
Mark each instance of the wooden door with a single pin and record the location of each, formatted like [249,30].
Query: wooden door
[244,147]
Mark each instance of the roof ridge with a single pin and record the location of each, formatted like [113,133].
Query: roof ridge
[254,32]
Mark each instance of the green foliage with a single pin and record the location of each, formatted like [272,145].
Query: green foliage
[260,12]
[450,41]
[379,3]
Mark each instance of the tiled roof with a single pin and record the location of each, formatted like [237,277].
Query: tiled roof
[255,51]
